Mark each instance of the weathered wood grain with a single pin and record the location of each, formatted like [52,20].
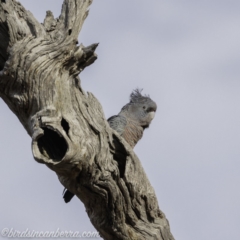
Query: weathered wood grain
[40,64]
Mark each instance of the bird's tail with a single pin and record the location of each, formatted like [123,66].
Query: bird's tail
[67,195]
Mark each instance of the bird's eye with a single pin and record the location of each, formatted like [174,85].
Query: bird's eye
[144,107]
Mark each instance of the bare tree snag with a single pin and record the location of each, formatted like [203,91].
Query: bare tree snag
[40,64]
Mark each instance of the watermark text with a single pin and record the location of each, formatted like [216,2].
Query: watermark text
[12,233]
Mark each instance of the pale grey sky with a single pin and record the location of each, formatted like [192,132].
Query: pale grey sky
[186,55]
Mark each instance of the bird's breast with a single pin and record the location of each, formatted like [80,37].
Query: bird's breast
[132,133]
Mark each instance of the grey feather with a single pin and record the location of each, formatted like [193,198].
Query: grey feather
[118,123]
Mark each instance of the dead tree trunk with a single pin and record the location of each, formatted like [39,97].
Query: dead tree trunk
[40,64]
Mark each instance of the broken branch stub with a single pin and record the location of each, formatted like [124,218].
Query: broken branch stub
[39,81]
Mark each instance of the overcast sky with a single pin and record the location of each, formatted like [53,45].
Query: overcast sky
[186,55]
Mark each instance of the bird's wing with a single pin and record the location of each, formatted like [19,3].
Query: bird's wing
[118,123]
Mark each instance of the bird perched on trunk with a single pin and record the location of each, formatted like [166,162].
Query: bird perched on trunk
[134,117]
[131,121]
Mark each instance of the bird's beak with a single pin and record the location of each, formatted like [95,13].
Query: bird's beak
[151,115]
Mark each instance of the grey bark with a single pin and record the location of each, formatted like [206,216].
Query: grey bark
[40,64]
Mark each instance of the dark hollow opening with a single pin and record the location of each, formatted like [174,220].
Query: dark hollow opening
[65,126]
[4,42]
[69,32]
[52,146]
[120,156]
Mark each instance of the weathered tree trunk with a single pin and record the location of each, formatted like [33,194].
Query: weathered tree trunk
[40,64]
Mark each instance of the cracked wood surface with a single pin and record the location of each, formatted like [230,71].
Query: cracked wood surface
[40,64]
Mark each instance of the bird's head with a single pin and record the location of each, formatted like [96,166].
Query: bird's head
[140,108]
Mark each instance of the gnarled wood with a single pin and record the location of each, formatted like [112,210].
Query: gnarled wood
[40,64]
